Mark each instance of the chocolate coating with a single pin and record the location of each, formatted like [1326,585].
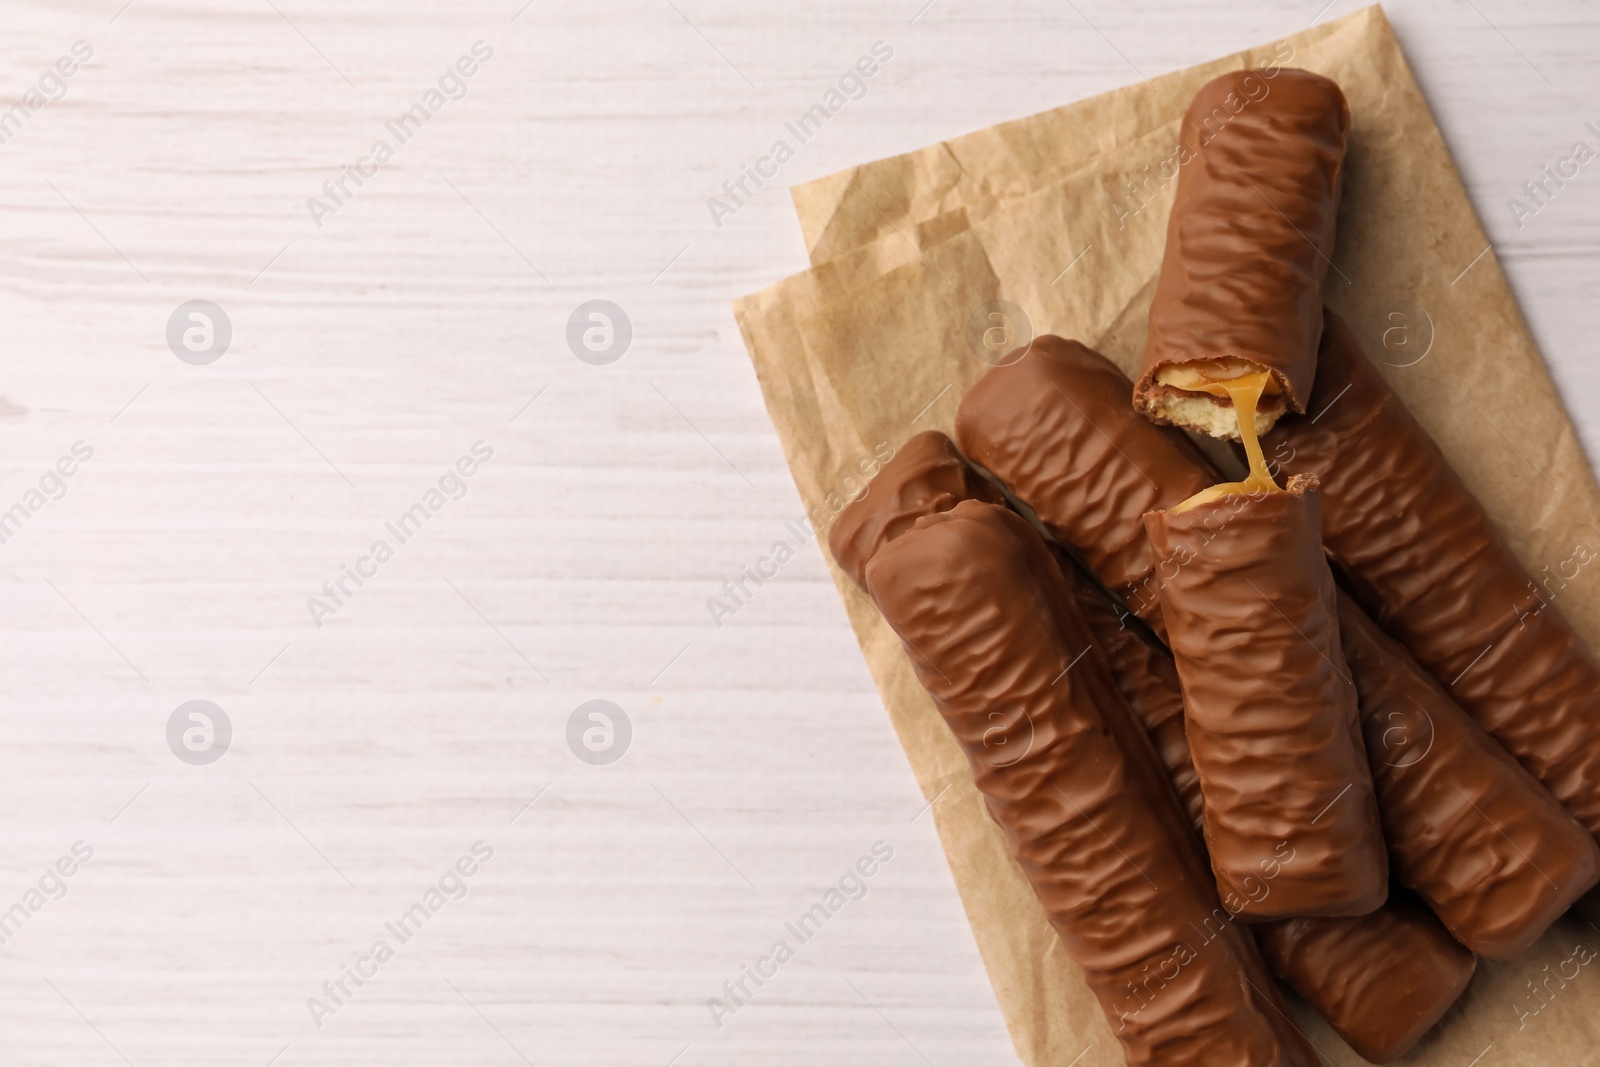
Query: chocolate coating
[984,614]
[1401,940]
[1452,802]
[1061,463]
[1252,227]
[1057,429]
[1291,820]
[1149,682]
[1442,579]
[1382,980]
[1379,1011]
[926,476]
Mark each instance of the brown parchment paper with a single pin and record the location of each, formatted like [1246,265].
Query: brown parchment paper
[871,346]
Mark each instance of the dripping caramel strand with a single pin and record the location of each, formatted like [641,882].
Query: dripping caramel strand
[1245,392]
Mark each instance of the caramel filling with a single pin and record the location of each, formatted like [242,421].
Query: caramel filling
[1212,375]
[1245,391]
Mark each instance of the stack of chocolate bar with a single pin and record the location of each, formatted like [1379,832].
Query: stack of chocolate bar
[1312,725]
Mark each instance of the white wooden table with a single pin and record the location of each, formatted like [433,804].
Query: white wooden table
[430,708]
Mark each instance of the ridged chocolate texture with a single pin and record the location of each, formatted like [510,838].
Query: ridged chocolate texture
[1291,820]
[927,475]
[984,614]
[1433,963]
[1381,980]
[1060,464]
[1056,427]
[1452,802]
[1149,681]
[1423,972]
[1442,579]
[1252,228]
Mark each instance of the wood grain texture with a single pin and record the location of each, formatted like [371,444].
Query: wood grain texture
[367,355]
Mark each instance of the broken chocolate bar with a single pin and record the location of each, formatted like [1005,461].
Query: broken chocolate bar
[1441,578]
[1291,821]
[1335,964]
[1249,242]
[1072,460]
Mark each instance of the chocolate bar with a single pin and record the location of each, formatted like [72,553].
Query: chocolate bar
[1451,798]
[1249,242]
[1071,461]
[984,614]
[1392,1005]
[1291,821]
[1149,682]
[1071,450]
[928,475]
[1381,980]
[1440,577]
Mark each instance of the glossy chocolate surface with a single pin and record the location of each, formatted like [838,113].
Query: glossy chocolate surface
[1149,682]
[986,618]
[1381,980]
[926,476]
[1333,963]
[1058,462]
[1380,1011]
[1440,577]
[1251,617]
[1498,857]
[1057,428]
[1251,233]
